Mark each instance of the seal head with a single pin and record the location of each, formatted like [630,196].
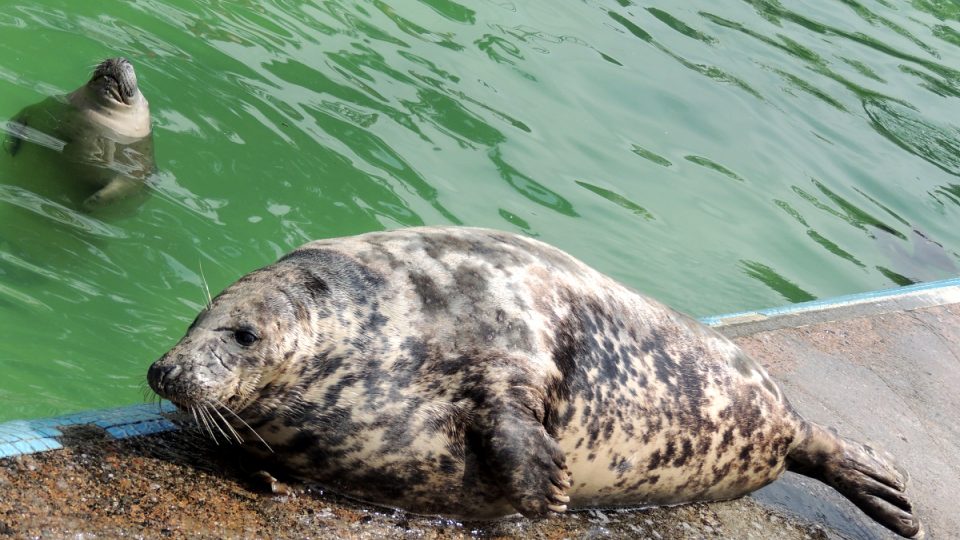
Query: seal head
[245,340]
[115,81]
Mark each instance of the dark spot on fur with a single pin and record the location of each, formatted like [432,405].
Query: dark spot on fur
[686,452]
[670,451]
[719,473]
[432,298]
[340,272]
[316,286]
[745,454]
[655,460]
[447,464]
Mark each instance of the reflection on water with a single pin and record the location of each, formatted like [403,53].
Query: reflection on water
[846,211]
[618,199]
[764,153]
[710,71]
[53,211]
[530,188]
[903,126]
[817,237]
[790,291]
[16,134]
[647,154]
[713,165]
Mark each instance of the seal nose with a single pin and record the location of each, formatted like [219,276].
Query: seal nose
[158,375]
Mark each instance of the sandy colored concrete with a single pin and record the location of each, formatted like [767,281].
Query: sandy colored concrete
[893,380]
[176,485]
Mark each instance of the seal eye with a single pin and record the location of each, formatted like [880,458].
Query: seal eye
[245,337]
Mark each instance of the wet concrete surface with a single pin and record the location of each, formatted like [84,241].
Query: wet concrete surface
[891,379]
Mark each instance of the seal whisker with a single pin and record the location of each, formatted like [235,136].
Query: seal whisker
[230,429]
[149,396]
[211,423]
[203,281]
[208,407]
[204,423]
[242,421]
[212,407]
[196,420]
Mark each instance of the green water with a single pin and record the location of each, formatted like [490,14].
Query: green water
[717,155]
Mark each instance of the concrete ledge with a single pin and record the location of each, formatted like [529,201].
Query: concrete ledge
[935,293]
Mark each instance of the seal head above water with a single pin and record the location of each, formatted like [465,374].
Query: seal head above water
[100,133]
[476,373]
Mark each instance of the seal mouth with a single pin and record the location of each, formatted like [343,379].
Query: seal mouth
[117,79]
[171,382]
[216,418]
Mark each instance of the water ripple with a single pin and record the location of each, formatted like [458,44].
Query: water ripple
[58,213]
[903,126]
[797,150]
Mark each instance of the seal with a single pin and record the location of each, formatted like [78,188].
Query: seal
[475,373]
[100,133]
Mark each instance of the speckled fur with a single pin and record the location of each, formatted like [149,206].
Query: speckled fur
[476,373]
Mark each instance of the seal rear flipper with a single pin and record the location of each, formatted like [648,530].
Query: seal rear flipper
[865,476]
[524,459]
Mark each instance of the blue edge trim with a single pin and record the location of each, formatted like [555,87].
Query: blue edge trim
[21,437]
[29,436]
[837,301]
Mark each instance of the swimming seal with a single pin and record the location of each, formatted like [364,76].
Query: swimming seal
[100,133]
[475,373]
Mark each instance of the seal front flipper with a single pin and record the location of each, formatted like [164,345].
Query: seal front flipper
[15,134]
[865,476]
[120,187]
[265,482]
[521,456]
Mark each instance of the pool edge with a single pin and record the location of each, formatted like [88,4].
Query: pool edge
[910,297]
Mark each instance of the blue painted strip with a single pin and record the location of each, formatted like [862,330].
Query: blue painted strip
[8,450]
[143,428]
[41,445]
[21,437]
[813,305]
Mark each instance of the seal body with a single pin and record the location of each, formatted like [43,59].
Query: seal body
[99,134]
[476,373]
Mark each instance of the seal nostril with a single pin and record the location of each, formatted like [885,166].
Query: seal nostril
[159,375]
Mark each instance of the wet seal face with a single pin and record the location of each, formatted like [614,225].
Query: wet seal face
[99,132]
[476,373]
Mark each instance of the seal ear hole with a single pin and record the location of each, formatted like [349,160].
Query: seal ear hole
[245,338]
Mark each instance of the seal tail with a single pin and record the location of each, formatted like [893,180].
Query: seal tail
[869,478]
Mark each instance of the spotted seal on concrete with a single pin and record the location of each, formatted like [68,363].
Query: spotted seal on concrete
[475,373]
[100,133]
